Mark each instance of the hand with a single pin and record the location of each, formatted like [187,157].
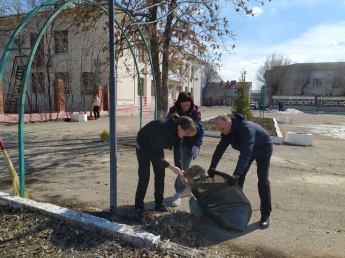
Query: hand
[195,152]
[183,179]
[210,172]
[176,170]
[232,181]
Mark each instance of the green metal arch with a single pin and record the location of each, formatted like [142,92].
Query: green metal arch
[33,50]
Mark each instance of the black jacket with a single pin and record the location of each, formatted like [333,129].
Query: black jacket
[249,138]
[161,134]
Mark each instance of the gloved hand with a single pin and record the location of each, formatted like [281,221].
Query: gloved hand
[210,172]
[195,152]
[232,181]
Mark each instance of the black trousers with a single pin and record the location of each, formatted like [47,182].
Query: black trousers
[263,166]
[96,111]
[145,157]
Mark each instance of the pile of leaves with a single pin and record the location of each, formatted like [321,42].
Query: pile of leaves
[180,227]
[25,233]
[195,171]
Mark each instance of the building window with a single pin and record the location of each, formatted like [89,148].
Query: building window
[152,89]
[61,41]
[141,54]
[186,70]
[181,68]
[88,83]
[65,78]
[37,82]
[337,83]
[193,73]
[143,87]
[317,82]
[39,55]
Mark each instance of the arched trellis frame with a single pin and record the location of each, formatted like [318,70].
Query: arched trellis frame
[58,8]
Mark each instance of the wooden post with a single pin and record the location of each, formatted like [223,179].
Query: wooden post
[59,95]
[106,98]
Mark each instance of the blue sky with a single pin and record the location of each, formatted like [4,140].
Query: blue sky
[302,30]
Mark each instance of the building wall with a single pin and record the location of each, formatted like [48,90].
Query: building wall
[308,103]
[85,50]
[310,79]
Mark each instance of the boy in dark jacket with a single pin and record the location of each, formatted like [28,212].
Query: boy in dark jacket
[254,143]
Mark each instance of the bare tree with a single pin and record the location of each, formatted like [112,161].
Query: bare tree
[193,28]
[302,74]
[334,80]
[272,72]
[210,74]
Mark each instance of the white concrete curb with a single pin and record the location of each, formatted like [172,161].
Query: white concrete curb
[279,138]
[135,236]
[283,120]
[212,134]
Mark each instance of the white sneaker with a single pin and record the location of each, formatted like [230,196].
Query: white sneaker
[176,200]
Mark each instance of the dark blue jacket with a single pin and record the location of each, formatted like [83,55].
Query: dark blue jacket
[249,138]
[158,135]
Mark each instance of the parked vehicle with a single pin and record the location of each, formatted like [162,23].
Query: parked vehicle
[254,105]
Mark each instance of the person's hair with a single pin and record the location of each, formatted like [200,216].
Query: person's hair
[187,123]
[184,96]
[225,119]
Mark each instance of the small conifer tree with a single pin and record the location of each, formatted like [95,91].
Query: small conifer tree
[241,104]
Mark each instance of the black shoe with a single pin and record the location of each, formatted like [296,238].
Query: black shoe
[139,213]
[162,208]
[264,222]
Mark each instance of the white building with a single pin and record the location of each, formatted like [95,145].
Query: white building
[79,56]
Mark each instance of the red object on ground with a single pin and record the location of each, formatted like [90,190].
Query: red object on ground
[2,145]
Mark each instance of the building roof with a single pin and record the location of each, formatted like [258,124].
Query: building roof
[229,84]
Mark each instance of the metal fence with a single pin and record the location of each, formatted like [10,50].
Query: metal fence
[41,103]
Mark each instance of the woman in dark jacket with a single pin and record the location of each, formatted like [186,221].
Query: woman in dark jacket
[151,141]
[184,106]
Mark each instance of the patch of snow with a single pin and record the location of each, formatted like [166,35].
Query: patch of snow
[287,111]
[335,131]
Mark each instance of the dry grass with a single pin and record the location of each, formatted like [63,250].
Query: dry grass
[26,233]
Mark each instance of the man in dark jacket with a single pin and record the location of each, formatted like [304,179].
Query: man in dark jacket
[254,143]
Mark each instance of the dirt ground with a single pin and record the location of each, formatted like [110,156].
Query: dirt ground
[67,164]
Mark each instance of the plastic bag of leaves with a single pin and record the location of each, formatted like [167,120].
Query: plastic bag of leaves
[226,205]
[194,172]
[105,136]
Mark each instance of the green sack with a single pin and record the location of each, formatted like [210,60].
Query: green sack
[194,208]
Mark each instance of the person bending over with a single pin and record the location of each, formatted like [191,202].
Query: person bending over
[254,143]
[151,141]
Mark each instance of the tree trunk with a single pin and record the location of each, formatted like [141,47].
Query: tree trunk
[165,62]
[154,49]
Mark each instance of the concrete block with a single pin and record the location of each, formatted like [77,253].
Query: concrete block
[283,120]
[79,117]
[279,138]
[301,139]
